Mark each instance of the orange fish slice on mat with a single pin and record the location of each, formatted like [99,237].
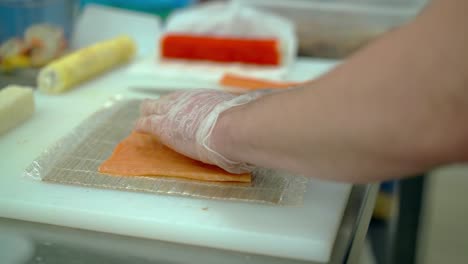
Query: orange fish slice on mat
[143,155]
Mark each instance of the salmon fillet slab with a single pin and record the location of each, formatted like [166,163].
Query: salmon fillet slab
[144,155]
[262,51]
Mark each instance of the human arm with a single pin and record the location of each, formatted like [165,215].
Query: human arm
[397,107]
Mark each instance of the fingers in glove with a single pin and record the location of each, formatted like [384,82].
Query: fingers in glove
[158,106]
[149,124]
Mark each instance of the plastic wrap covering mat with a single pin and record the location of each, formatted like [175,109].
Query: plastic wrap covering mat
[74,159]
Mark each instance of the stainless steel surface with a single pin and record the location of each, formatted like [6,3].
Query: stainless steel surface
[364,216]
[351,235]
[41,243]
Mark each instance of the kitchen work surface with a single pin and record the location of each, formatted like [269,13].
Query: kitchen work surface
[41,243]
[75,159]
[303,232]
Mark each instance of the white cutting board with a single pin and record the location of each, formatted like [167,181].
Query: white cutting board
[305,232]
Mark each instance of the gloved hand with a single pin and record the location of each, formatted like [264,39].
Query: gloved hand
[184,121]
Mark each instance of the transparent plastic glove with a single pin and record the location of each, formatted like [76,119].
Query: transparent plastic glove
[184,121]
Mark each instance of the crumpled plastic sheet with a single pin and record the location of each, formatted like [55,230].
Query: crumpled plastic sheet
[75,158]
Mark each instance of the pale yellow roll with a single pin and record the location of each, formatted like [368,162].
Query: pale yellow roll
[16,106]
[65,73]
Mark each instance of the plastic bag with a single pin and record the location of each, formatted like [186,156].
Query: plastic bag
[233,19]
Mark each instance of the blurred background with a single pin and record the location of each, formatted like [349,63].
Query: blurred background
[420,220]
